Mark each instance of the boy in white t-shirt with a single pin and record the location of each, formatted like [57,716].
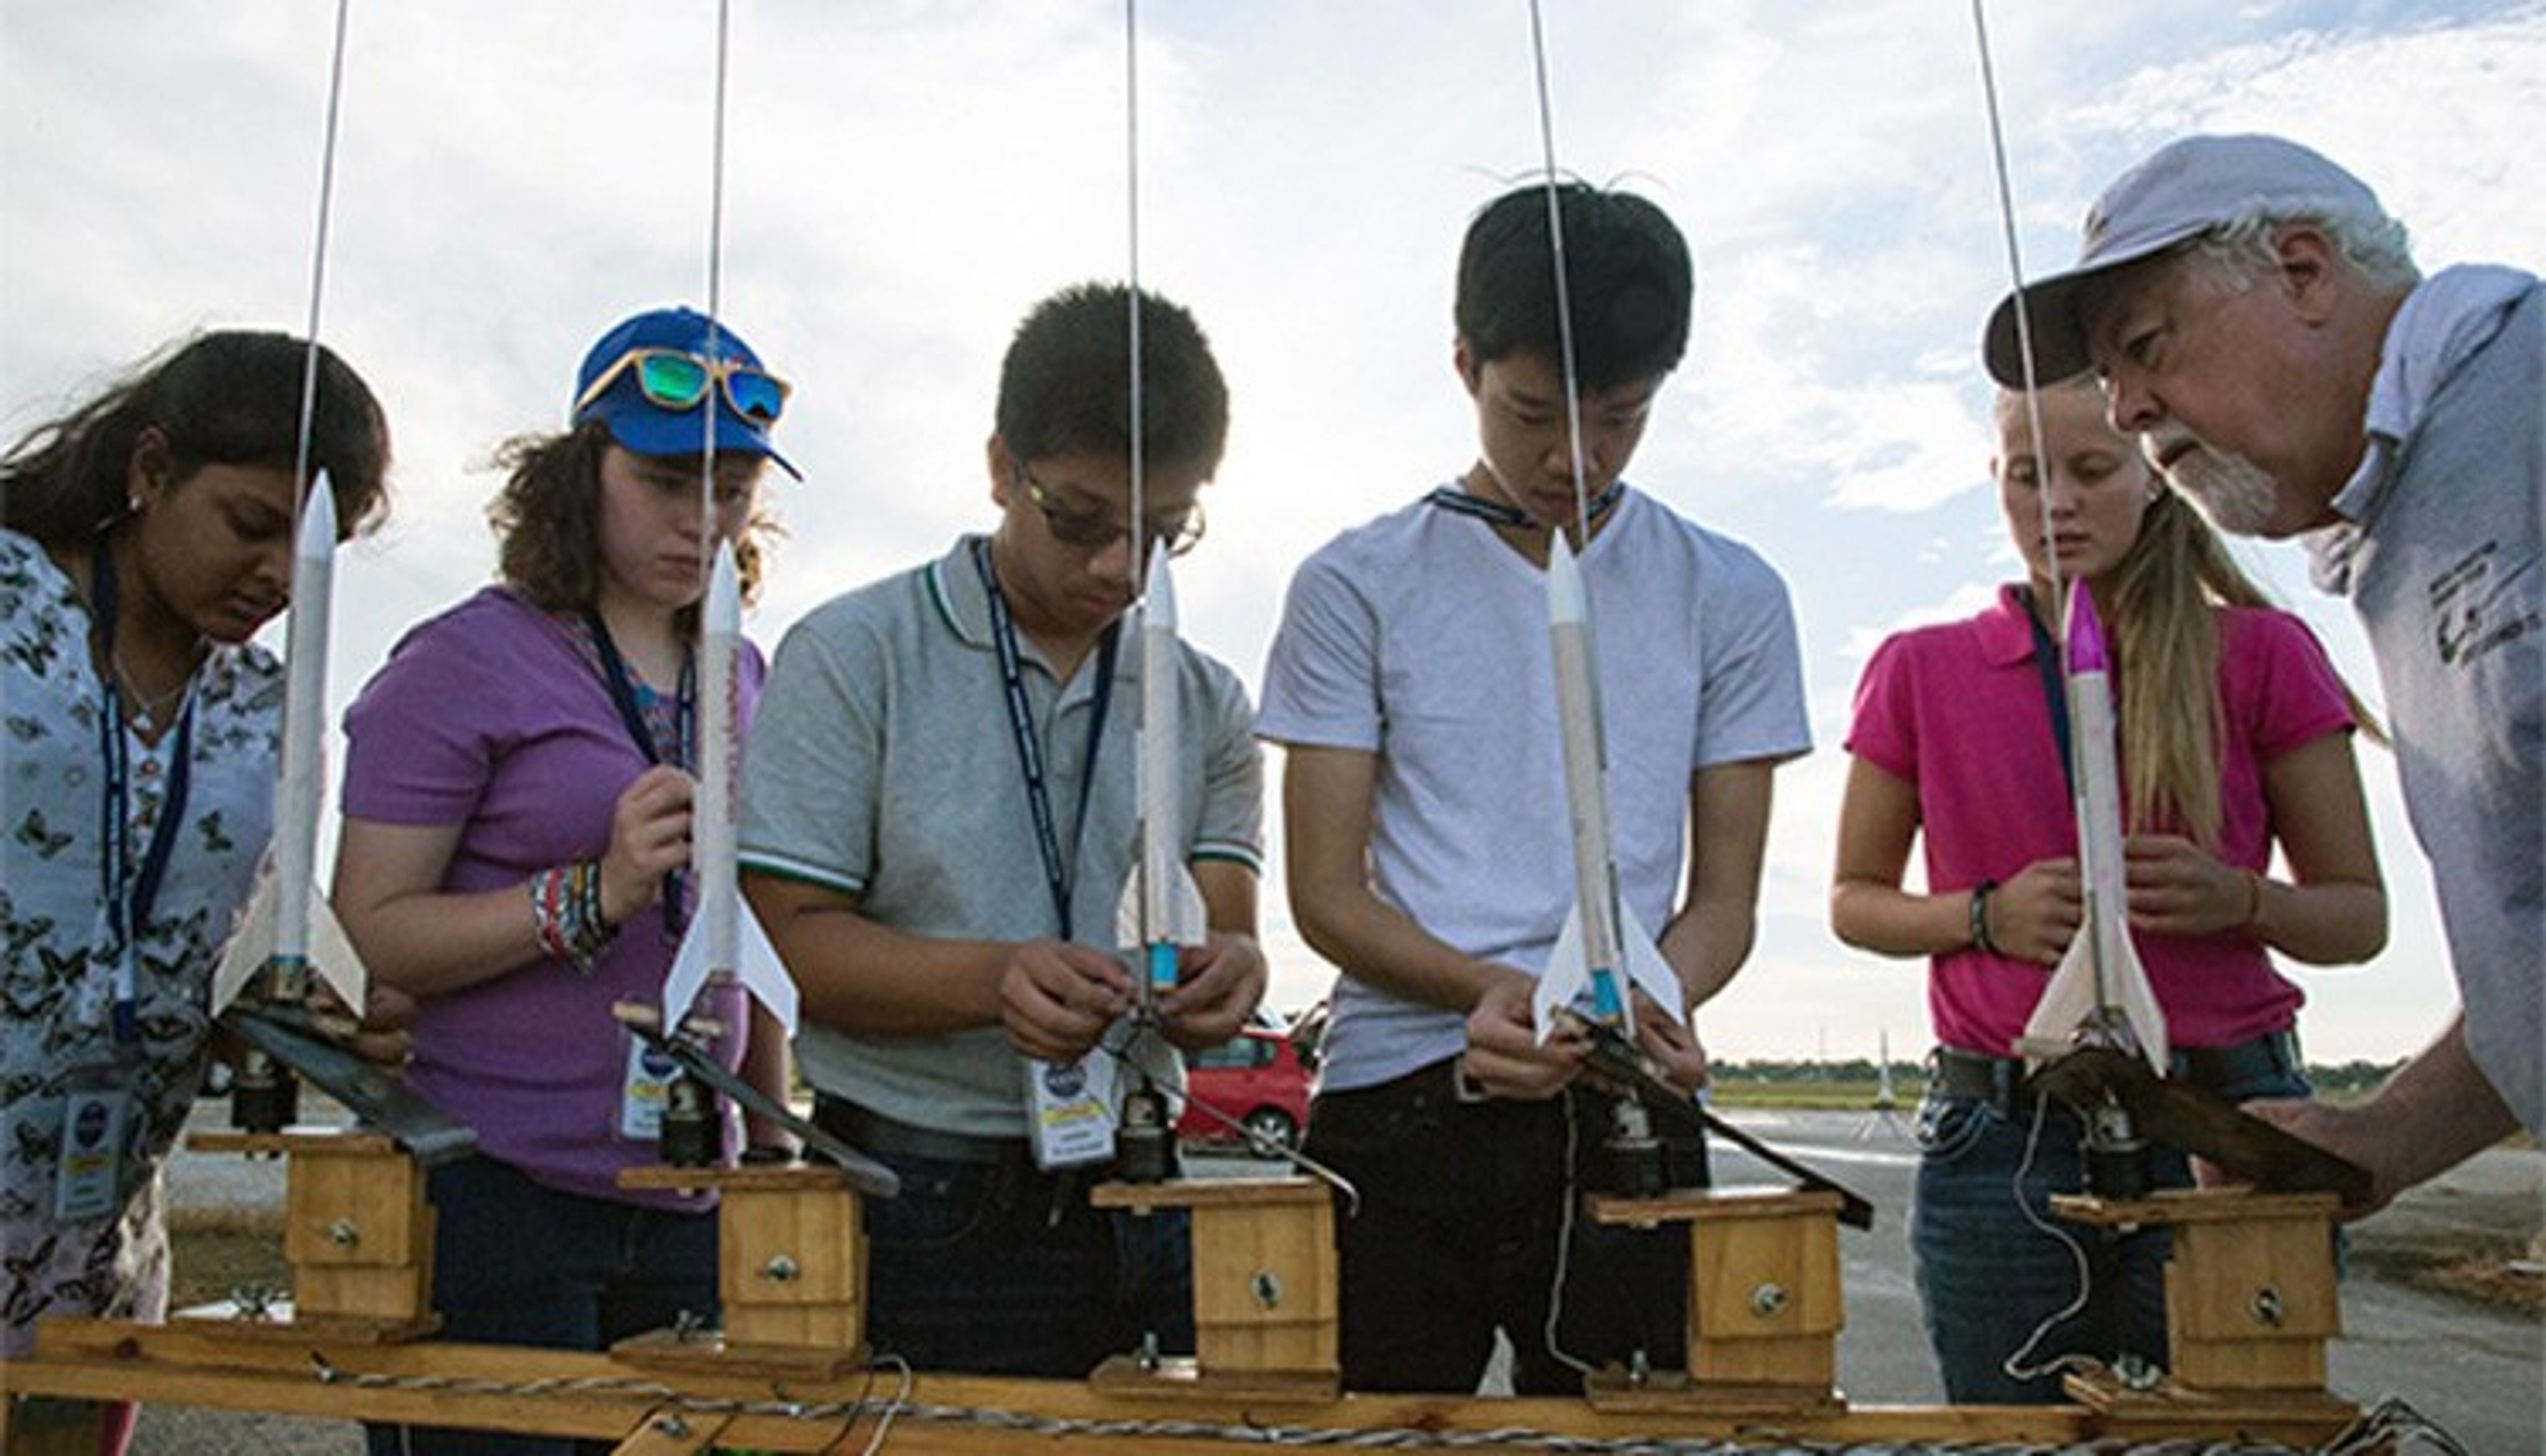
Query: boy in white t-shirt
[1430,855]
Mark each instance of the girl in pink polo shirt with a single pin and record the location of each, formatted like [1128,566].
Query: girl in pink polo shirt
[2233,734]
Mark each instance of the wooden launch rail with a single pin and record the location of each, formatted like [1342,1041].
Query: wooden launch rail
[598,1396]
[2250,1297]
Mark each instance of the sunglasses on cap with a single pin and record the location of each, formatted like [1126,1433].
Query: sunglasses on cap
[676,380]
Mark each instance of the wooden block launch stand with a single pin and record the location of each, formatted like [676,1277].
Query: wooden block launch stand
[1266,1294]
[356,1232]
[2249,1303]
[791,1272]
[1764,1303]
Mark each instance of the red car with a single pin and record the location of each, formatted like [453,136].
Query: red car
[1255,1080]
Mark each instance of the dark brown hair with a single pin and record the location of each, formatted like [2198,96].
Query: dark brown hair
[224,398]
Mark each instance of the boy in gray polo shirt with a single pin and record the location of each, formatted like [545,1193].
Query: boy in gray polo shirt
[938,816]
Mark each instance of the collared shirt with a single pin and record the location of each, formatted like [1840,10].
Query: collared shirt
[883,767]
[2443,562]
[1958,711]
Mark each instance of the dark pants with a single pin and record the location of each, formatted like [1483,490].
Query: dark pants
[518,1263]
[1468,1211]
[985,1264]
[1988,1275]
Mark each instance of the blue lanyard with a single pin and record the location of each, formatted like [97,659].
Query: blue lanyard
[130,900]
[623,696]
[2054,687]
[1058,868]
[1502,513]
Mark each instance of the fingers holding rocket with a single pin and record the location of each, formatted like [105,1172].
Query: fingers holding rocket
[2034,916]
[1055,998]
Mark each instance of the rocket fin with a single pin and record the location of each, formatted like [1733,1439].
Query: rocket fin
[1188,919]
[763,974]
[1567,977]
[331,950]
[1647,971]
[251,944]
[761,971]
[332,956]
[2069,1003]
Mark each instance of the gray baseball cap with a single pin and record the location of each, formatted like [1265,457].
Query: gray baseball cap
[2182,191]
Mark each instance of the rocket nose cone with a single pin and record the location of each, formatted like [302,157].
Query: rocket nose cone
[1158,605]
[1563,581]
[722,608]
[317,520]
[2086,631]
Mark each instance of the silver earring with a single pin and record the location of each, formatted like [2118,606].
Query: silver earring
[133,505]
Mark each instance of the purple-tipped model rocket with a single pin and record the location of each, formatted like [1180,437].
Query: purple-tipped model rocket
[1602,949]
[725,939]
[2101,995]
[287,924]
[1161,907]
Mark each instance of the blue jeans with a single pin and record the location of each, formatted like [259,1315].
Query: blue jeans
[1987,1277]
[518,1263]
[1460,1229]
[999,1268]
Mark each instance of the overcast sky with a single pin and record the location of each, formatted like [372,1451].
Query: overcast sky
[904,179]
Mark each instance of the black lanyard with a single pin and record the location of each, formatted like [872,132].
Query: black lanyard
[1502,513]
[1058,868]
[2055,687]
[128,902]
[623,696]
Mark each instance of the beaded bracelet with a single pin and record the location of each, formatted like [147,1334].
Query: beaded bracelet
[1980,918]
[565,909]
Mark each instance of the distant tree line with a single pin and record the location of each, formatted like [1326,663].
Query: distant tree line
[2353,1076]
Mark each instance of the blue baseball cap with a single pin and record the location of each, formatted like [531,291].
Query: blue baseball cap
[634,404]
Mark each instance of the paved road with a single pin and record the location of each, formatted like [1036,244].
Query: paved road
[2481,1373]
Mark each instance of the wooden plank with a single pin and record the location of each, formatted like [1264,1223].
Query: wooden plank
[597,1396]
[1210,1192]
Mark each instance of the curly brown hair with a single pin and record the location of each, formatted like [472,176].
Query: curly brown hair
[548,521]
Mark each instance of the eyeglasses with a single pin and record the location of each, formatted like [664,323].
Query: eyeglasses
[1094,530]
[676,380]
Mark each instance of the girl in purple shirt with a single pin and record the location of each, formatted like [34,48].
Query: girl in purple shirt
[517,801]
[2233,736]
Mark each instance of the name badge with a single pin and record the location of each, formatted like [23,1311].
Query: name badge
[88,1180]
[646,1088]
[1069,1111]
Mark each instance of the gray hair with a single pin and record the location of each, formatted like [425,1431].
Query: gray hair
[2375,245]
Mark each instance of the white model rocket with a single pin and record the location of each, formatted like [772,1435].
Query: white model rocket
[1601,950]
[1161,907]
[2100,993]
[725,939]
[287,924]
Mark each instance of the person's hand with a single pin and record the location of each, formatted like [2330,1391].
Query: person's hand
[650,835]
[2349,1133]
[1670,1045]
[2034,916]
[378,1036]
[1218,983]
[1056,998]
[2177,888]
[1504,1055]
